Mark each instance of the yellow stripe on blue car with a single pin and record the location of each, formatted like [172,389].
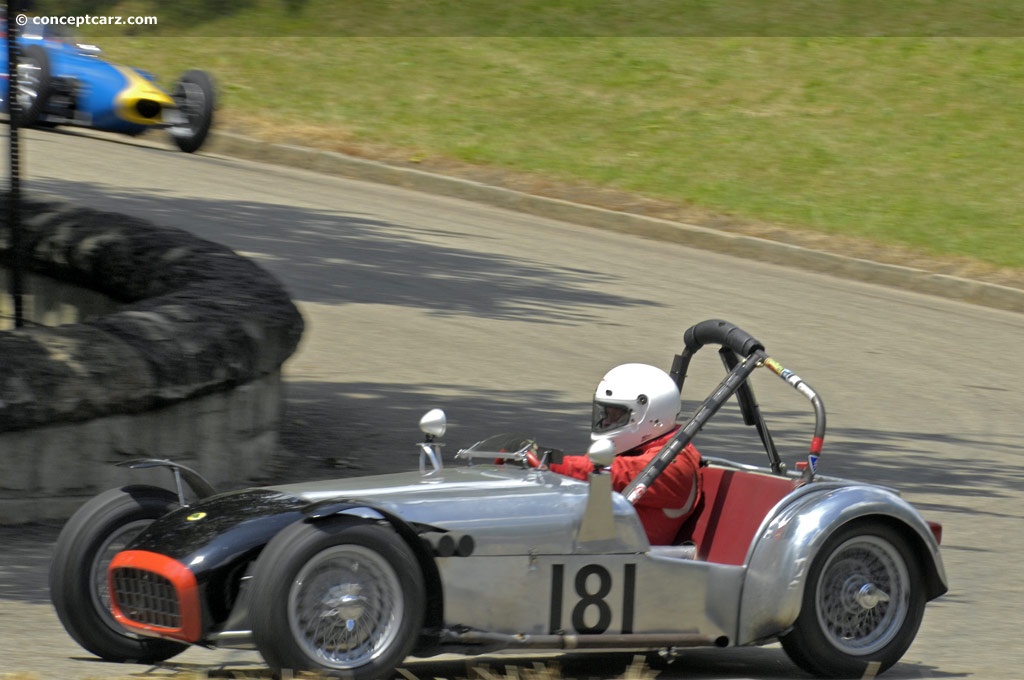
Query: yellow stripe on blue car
[140,101]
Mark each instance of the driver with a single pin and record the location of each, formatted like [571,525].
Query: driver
[635,406]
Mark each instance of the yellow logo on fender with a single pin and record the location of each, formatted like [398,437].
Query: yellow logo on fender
[196,516]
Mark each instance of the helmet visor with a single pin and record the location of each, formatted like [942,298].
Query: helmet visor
[609,417]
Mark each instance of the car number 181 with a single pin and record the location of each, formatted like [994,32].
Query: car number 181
[592,598]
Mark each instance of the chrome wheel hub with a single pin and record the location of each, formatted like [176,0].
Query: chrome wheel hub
[344,602]
[868,596]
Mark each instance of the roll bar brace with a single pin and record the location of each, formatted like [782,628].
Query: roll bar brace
[741,354]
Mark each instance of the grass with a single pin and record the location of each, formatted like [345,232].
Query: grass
[911,142]
[551,18]
[902,142]
[906,142]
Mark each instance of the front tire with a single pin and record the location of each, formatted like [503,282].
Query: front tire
[337,596]
[863,602]
[196,99]
[78,576]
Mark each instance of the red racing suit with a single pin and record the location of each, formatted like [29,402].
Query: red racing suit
[668,502]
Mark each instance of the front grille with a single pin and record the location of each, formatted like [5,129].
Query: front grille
[147,598]
[155,595]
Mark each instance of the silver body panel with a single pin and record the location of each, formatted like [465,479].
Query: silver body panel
[507,510]
[530,573]
[793,534]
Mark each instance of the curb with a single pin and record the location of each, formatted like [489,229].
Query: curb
[750,247]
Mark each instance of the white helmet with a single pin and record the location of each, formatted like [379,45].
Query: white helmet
[633,404]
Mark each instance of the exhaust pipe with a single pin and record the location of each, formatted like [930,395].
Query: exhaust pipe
[573,642]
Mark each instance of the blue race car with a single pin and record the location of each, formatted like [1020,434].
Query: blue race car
[63,82]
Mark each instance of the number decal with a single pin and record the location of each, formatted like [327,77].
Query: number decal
[557,573]
[595,599]
[591,585]
[628,597]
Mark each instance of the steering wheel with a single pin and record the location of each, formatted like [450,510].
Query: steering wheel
[532,460]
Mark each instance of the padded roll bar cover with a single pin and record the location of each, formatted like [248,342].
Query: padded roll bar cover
[721,333]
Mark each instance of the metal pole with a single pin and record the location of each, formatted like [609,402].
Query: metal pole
[14,195]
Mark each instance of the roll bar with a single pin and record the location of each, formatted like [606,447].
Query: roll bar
[713,331]
[718,332]
[742,354]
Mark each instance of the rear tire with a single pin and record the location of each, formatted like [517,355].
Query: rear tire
[34,84]
[78,576]
[337,596]
[863,602]
[196,99]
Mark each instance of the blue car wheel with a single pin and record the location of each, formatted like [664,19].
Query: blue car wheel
[195,97]
[33,84]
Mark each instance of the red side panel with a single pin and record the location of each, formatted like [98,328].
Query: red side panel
[734,504]
[154,595]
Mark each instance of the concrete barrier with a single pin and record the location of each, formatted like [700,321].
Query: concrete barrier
[183,363]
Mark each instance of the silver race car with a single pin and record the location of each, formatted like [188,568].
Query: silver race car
[352,576]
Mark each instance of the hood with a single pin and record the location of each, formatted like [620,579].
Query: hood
[507,510]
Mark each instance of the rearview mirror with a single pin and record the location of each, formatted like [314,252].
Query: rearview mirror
[434,423]
[602,452]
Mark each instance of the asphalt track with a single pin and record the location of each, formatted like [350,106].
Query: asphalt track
[507,320]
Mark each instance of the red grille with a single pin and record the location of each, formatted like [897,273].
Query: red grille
[147,598]
[155,595]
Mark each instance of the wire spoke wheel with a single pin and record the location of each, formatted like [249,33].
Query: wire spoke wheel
[863,602]
[863,595]
[338,595]
[345,606]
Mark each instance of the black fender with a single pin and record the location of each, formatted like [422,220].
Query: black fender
[200,487]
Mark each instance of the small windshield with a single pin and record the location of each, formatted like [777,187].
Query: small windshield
[500,445]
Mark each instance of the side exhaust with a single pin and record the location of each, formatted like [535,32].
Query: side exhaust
[571,642]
